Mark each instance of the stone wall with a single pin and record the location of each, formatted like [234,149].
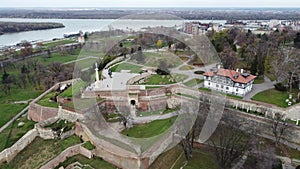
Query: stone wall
[69,152]
[138,78]
[113,154]
[264,108]
[39,113]
[69,115]
[9,153]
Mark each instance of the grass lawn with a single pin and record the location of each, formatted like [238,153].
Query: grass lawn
[57,42]
[88,145]
[81,104]
[153,87]
[47,102]
[94,162]
[157,112]
[74,89]
[205,89]
[86,63]
[126,66]
[259,80]
[39,152]
[13,133]
[55,57]
[7,107]
[228,95]
[165,79]
[203,158]
[193,82]
[186,67]
[153,59]
[150,129]
[272,96]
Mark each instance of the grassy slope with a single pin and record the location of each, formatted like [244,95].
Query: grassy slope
[272,96]
[150,129]
[39,152]
[13,133]
[126,66]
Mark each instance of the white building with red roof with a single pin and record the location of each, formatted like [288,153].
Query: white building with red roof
[229,81]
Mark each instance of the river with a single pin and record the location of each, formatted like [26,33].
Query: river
[75,25]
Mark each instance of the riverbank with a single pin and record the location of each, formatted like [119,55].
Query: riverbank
[14,27]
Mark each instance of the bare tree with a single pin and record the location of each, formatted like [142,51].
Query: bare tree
[230,143]
[279,127]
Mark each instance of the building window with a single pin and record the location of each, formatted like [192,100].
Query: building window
[217,85]
[208,84]
[237,90]
[222,86]
[227,88]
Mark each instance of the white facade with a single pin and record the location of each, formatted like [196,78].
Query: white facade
[226,85]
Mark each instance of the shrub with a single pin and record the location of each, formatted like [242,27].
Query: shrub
[280,87]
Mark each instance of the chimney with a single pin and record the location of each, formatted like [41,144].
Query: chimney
[219,66]
[242,71]
[237,70]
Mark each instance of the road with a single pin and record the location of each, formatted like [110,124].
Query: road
[257,88]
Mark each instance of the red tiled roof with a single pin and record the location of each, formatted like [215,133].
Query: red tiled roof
[230,74]
[208,74]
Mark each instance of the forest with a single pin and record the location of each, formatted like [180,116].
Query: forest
[12,27]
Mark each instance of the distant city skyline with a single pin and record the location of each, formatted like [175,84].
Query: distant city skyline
[151,3]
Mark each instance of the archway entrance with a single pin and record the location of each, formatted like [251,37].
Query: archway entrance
[132,102]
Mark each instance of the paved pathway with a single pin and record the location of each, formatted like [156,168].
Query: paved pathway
[259,88]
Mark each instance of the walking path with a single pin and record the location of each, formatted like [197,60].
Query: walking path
[257,88]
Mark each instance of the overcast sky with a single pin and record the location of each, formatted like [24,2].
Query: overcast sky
[149,3]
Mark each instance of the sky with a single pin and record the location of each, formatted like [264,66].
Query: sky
[150,3]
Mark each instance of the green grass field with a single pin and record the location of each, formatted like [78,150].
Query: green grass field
[55,57]
[165,79]
[186,67]
[272,96]
[259,80]
[13,133]
[45,101]
[88,145]
[57,43]
[74,89]
[193,82]
[150,129]
[8,108]
[94,162]
[126,66]
[39,152]
[153,59]
[203,158]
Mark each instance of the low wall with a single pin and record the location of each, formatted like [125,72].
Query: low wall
[138,78]
[69,152]
[9,153]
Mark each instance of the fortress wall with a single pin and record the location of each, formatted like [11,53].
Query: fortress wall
[39,113]
[119,157]
[9,153]
[69,152]
[69,115]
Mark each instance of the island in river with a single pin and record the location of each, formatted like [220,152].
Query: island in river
[13,27]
